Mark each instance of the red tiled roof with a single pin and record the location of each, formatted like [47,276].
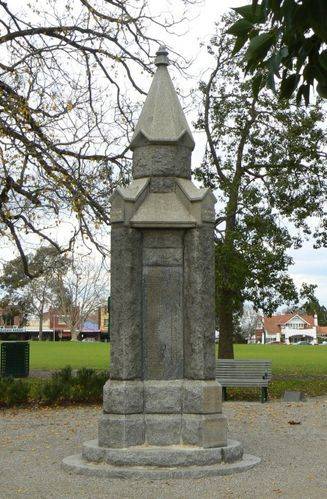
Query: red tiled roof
[272,324]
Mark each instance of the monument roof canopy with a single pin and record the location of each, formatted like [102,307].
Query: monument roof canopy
[162,119]
[162,209]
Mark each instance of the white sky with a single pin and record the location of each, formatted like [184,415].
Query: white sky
[310,265]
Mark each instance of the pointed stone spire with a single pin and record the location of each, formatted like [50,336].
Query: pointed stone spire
[162,120]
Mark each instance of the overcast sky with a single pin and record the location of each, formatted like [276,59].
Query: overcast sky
[310,265]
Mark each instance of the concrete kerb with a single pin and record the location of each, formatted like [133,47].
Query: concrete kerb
[170,456]
[78,465]
[150,462]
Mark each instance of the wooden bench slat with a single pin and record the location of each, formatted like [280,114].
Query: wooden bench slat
[241,374]
[244,373]
[243,369]
[243,361]
[241,378]
[236,372]
[224,382]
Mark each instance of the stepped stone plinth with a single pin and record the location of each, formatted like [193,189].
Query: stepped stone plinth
[162,406]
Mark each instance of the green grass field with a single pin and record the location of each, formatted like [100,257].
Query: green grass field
[302,368]
[46,355]
[289,361]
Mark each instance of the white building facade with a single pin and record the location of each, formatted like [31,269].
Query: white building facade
[294,330]
[289,329]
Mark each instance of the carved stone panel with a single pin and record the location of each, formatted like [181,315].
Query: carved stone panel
[162,307]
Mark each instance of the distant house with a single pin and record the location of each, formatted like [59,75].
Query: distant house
[289,328]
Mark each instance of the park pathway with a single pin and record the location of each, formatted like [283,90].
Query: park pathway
[34,441]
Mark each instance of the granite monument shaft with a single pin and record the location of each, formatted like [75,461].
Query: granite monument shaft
[162,407]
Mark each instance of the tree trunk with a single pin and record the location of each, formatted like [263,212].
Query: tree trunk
[74,334]
[225,314]
[41,326]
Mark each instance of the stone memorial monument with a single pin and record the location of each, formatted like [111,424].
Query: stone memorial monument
[162,407]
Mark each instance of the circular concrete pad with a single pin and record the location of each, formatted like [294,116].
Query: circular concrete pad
[78,465]
[165,457]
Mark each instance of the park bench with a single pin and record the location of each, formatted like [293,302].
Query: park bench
[244,373]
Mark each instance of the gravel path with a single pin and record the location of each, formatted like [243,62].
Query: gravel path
[294,457]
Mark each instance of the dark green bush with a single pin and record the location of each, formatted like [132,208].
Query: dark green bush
[85,386]
[58,388]
[64,376]
[52,392]
[13,392]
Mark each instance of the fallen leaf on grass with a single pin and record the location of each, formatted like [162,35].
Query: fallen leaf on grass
[294,422]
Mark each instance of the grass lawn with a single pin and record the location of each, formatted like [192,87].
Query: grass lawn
[48,355]
[302,368]
[289,361]
[298,368]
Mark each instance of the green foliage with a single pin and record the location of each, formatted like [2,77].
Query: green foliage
[276,389]
[258,47]
[253,14]
[25,296]
[289,361]
[289,36]
[241,27]
[57,389]
[265,159]
[311,303]
[85,386]
[54,392]
[13,392]
[44,261]
[63,387]
[293,367]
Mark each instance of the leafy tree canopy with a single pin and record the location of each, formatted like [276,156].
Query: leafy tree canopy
[266,161]
[9,310]
[43,263]
[24,296]
[285,39]
[311,303]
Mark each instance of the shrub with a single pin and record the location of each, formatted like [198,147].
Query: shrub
[58,388]
[64,376]
[13,392]
[85,386]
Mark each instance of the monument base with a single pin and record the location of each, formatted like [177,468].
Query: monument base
[150,462]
